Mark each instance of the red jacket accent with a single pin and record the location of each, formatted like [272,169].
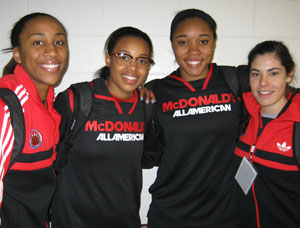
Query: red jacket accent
[274,200]
[30,183]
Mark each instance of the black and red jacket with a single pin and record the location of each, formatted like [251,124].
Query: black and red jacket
[101,182]
[274,199]
[199,125]
[28,186]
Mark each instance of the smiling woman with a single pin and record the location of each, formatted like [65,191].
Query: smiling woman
[40,59]
[43,52]
[193,44]
[128,72]
[271,198]
[198,124]
[100,184]
[269,79]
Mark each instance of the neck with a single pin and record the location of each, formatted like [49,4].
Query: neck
[271,116]
[43,94]
[273,109]
[117,92]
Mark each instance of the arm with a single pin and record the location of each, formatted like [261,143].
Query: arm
[153,141]
[243,73]
[63,105]
[6,143]
[243,76]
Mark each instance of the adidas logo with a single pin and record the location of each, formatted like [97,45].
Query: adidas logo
[283,147]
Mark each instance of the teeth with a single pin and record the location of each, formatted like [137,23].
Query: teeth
[129,77]
[264,92]
[51,66]
[193,62]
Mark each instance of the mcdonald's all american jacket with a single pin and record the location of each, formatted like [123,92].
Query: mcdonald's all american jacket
[27,187]
[101,182]
[199,122]
[274,197]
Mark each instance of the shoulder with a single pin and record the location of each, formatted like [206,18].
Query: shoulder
[241,70]
[5,116]
[158,82]
[62,102]
[10,99]
[296,101]
[9,81]
[151,84]
[77,87]
[236,77]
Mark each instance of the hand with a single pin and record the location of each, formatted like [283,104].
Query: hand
[148,94]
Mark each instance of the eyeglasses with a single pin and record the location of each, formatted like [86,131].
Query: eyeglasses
[125,59]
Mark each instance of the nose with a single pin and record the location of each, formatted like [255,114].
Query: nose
[264,80]
[50,50]
[194,49]
[132,64]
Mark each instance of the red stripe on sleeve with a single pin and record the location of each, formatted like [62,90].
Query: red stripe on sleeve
[71,99]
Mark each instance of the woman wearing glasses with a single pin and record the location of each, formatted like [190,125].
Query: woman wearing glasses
[101,182]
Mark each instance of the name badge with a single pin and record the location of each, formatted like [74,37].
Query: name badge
[245,175]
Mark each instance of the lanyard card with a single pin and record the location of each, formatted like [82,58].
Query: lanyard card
[245,175]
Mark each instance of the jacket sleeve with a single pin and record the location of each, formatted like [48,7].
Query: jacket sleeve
[153,148]
[243,76]
[64,106]
[151,85]
[153,143]
[243,73]
[6,143]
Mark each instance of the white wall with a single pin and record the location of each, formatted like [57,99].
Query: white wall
[241,24]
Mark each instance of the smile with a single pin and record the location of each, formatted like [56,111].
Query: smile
[264,92]
[129,77]
[194,63]
[50,66]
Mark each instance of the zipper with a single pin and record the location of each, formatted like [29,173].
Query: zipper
[253,147]
[251,152]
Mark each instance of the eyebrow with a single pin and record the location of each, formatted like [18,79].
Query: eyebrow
[183,36]
[43,34]
[128,53]
[274,68]
[144,55]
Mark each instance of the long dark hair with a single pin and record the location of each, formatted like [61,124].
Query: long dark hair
[15,38]
[114,38]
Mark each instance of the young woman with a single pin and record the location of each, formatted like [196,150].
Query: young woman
[40,59]
[101,182]
[198,118]
[271,197]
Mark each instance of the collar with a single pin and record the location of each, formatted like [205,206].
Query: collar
[23,78]
[104,94]
[176,75]
[291,113]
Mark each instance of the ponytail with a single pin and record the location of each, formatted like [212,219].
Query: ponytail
[9,67]
[104,73]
